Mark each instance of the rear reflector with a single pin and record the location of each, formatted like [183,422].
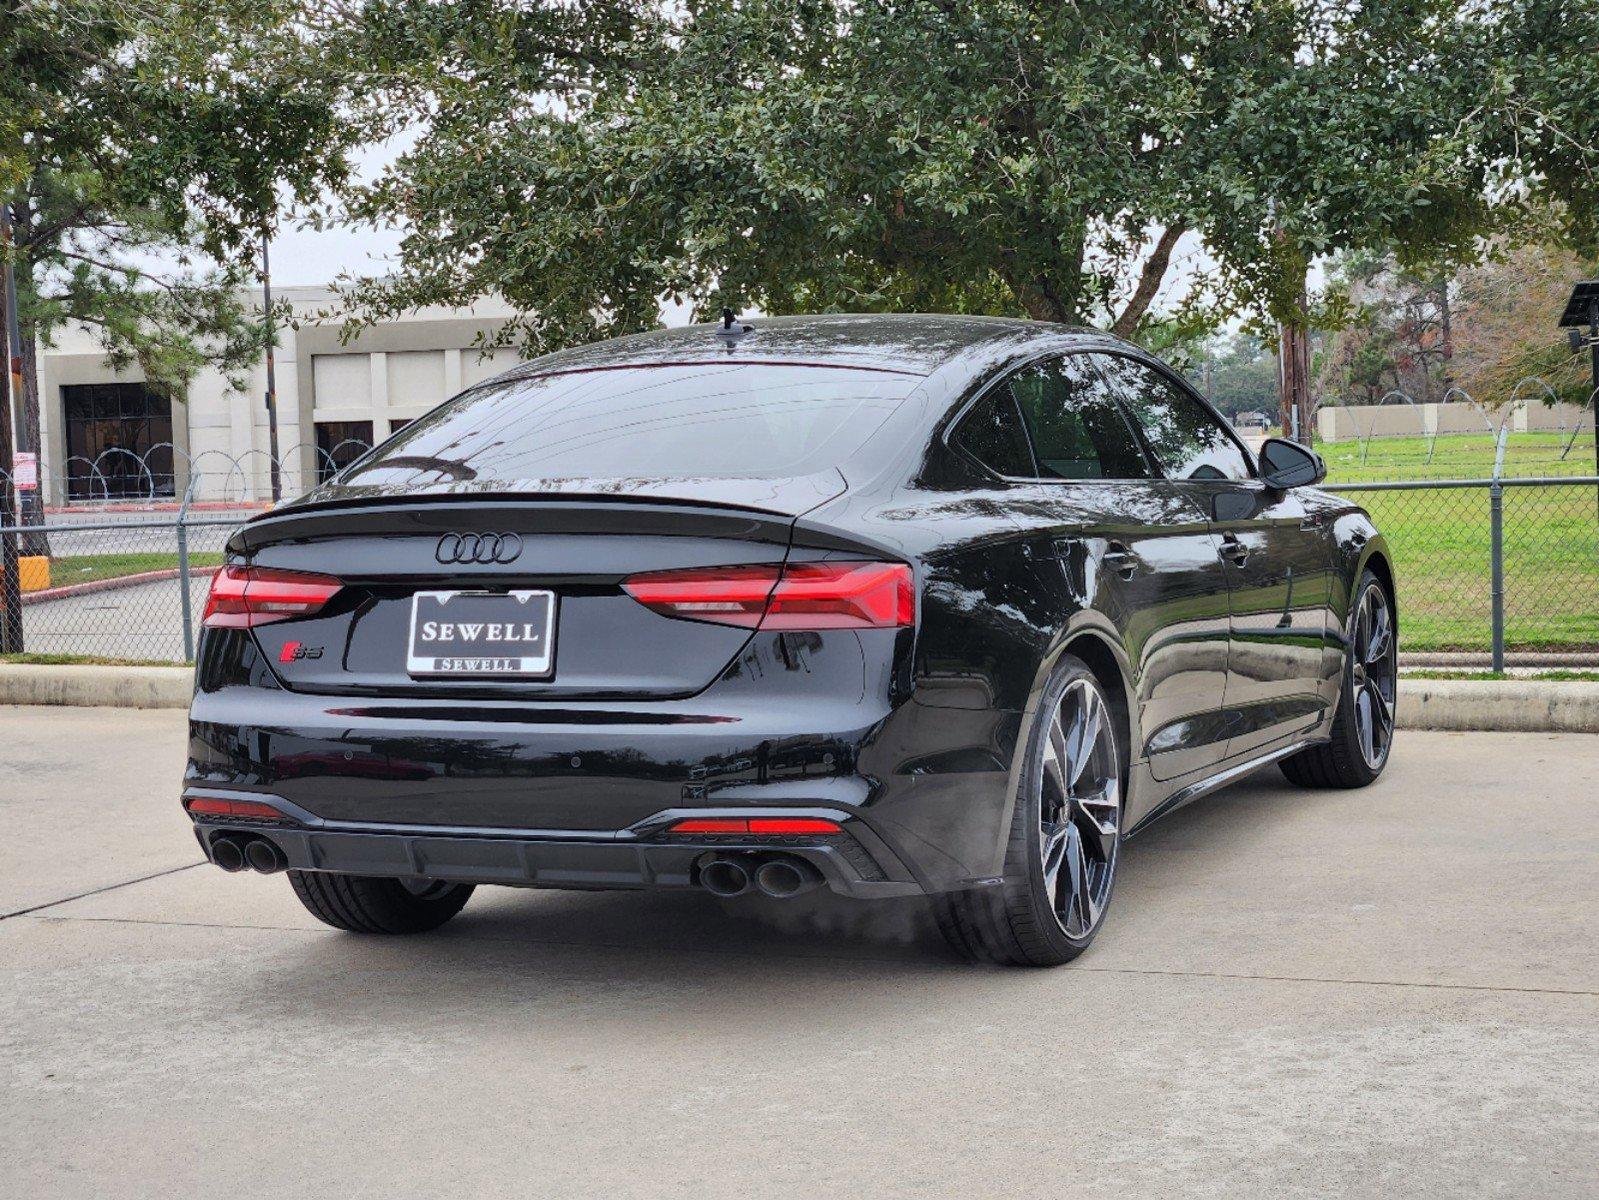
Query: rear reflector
[208,806]
[821,595]
[243,597]
[756,825]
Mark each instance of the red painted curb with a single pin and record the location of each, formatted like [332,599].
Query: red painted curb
[111,585]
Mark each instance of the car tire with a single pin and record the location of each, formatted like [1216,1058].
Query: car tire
[1363,725]
[1034,918]
[361,904]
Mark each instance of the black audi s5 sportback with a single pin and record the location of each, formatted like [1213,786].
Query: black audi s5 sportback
[891,605]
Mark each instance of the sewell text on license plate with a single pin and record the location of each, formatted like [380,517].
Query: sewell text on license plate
[482,633]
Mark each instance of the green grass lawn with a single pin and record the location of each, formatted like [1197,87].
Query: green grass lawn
[87,568]
[1440,542]
[82,660]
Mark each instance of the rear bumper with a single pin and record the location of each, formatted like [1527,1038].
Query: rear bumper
[856,863]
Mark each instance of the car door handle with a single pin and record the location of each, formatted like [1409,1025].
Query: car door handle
[1233,550]
[1120,559]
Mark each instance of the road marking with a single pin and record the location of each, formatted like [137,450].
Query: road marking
[110,887]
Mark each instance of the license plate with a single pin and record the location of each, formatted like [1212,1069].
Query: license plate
[505,634]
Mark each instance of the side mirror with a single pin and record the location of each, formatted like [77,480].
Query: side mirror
[1285,464]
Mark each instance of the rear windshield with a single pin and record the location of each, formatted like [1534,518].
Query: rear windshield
[707,420]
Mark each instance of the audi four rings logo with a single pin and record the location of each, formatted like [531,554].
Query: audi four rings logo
[478,548]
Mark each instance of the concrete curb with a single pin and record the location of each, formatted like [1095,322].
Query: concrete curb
[1504,706]
[94,686]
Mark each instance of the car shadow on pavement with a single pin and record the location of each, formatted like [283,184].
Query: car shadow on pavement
[669,942]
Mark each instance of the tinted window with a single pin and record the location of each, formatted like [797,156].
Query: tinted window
[992,433]
[710,420]
[1188,440]
[1077,428]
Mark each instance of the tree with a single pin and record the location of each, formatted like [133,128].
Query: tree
[1504,325]
[144,145]
[1242,374]
[1399,338]
[989,157]
[999,156]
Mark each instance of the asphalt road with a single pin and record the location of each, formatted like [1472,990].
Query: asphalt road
[1387,992]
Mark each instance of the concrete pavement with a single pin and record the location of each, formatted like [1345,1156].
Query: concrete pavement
[141,622]
[1299,994]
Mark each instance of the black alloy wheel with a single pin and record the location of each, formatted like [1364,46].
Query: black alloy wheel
[1060,866]
[1362,736]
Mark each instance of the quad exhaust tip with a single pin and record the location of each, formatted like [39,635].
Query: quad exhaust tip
[781,878]
[778,876]
[724,877]
[227,853]
[235,854]
[264,856]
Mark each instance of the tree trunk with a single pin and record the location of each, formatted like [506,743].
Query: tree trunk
[1039,299]
[1149,281]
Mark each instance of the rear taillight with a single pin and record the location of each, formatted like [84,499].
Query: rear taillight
[821,595]
[250,810]
[764,825]
[242,597]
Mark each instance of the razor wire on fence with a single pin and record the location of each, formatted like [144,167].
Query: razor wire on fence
[1481,565]
[164,476]
[1495,533]
[1531,434]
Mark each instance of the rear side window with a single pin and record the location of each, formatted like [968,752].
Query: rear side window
[992,433]
[1078,430]
[705,420]
[1187,439]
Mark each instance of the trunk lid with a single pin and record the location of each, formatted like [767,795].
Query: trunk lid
[578,545]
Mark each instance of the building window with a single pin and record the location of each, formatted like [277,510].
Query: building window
[338,444]
[119,441]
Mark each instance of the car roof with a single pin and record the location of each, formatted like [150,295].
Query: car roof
[912,343]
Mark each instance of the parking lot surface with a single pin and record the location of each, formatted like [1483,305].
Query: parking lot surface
[1390,991]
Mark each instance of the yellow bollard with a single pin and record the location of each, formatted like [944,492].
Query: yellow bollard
[33,572]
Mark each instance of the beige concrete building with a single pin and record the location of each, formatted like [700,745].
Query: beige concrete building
[105,433]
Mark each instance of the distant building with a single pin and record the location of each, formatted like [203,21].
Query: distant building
[105,433]
[1252,420]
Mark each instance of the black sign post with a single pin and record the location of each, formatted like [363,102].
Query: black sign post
[1583,310]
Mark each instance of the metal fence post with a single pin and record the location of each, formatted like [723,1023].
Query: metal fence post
[1496,557]
[183,578]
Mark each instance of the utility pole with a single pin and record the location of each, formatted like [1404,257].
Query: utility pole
[26,509]
[10,575]
[1446,337]
[1293,376]
[271,372]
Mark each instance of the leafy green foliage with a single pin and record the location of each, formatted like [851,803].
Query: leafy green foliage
[145,144]
[998,156]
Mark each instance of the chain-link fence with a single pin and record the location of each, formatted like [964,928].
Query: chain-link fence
[129,590]
[1491,565]
[1481,564]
